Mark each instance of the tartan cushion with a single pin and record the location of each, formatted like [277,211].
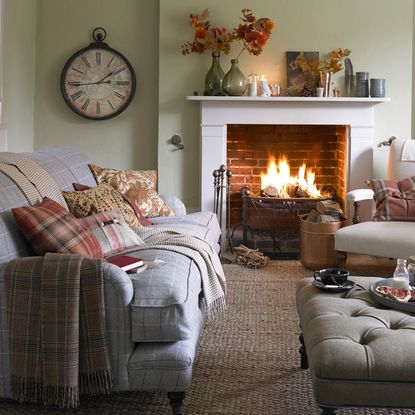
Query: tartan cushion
[111,232]
[395,200]
[138,185]
[102,198]
[49,227]
[142,219]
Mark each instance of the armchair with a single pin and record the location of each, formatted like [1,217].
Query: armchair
[390,239]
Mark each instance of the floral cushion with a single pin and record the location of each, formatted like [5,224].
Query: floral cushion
[49,227]
[111,232]
[102,198]
[395,200]
[138,185]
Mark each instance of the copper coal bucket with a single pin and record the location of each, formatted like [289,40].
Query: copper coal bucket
[317,243]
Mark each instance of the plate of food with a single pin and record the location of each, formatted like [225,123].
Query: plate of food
[385,293]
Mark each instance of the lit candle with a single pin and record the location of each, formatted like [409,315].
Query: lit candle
[252,86]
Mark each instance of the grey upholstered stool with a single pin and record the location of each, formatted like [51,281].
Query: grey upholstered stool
[358,353]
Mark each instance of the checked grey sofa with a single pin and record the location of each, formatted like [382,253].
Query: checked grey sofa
[359,353]
[153,320]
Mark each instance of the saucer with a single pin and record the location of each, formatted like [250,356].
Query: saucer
[334,288]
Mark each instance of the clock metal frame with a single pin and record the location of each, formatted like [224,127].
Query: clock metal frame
[98,44]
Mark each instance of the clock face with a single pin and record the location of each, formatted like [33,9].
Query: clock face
[98,83]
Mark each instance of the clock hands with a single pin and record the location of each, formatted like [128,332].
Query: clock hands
[94,83]
[105,77]
[101,81]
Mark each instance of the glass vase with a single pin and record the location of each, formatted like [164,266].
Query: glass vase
[325,78]
[234,82]
[214,77]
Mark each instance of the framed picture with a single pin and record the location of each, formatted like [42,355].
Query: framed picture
[298,82]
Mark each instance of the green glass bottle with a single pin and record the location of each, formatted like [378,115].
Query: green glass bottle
[234,82]
[214,77]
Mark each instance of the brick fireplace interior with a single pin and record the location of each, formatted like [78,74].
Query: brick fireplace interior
[249,148]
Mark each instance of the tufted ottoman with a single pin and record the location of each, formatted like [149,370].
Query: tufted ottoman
[358,353]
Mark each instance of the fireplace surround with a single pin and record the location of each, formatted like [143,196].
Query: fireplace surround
[216,113]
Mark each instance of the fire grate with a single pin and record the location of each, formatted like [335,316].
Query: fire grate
[271,224]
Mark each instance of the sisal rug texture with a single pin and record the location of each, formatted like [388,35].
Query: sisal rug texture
[248,361]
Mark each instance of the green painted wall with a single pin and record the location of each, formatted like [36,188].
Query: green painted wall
[19,72]
[128,140]
[39,36]
[377,31]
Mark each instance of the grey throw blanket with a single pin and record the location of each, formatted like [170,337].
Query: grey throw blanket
[200,251]
[55,309]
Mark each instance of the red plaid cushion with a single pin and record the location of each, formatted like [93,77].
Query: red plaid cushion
[112,233]
[49,227]
[394,200]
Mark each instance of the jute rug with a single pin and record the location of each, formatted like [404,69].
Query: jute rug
[248,361]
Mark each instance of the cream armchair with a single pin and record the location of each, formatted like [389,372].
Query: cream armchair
[391,239]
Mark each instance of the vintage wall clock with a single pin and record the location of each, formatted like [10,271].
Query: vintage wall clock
[98,82]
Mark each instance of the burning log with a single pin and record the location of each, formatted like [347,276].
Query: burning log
[250,258]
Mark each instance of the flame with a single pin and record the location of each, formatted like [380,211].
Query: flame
[279,177]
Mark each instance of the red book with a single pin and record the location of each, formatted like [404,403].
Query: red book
[126,262]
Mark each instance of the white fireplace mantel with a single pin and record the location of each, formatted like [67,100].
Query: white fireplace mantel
[217,112]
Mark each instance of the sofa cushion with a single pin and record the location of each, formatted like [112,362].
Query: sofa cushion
[111,232]
[165,366]
[99,199]
[49,227]
[142,219]
[166,298]
[395,200]
[203,224]
[139,185]
[387,239]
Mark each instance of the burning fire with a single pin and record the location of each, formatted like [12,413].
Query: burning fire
[278,181]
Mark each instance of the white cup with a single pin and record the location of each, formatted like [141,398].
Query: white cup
[319,91]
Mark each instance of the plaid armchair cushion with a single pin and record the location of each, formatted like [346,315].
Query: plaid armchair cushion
[49,227]
[395,200]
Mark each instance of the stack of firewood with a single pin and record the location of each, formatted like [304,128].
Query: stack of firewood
[250,258]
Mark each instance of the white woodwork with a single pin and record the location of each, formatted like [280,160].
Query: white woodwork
[218,112]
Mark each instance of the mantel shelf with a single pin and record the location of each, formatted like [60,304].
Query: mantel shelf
[286,99]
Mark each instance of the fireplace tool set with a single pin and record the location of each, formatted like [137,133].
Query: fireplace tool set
[222,187]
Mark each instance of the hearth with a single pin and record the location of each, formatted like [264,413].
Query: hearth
[356,115]
[280,172]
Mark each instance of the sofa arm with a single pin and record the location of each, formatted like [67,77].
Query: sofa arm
[118,292]
[175,204]
[360,194]
[356,196]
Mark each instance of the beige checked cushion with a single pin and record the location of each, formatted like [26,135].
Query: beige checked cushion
[138,185]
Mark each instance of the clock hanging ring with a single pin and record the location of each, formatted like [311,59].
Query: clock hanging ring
[98,82]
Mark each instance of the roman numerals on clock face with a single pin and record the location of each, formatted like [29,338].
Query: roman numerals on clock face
[98,83]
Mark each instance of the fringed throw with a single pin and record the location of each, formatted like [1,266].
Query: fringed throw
[55,308]
[200,251]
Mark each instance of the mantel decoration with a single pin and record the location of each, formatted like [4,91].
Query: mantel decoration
[253,33]
[323,68]
[211,38]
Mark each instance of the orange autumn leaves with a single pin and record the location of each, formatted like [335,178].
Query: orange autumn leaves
[333,62]
[253,33]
